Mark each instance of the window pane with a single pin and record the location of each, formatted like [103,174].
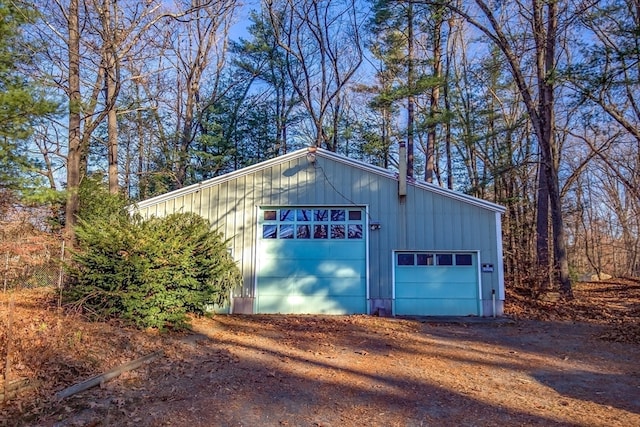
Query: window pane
[444,259]
[321,215]
[424,259]
[464,259]
[320,231]
[303,232]
[269,232]
[270,215]
[303,214]
[405,259]
[286,215]
[337,231]
[355,231]
[355,215]
[286,231]
[337,214]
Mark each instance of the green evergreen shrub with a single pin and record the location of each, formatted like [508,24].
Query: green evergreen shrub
[150,273]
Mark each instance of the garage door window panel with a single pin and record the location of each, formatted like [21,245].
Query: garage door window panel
[269,231]
[286,215]
[355,231]
[304,215]
[320,231]
[286,231]
[337,215]
[355,215]
[303,232]
[464,259]
[337,231]
[406,259]
[424,259]
[444,259]
[321,215]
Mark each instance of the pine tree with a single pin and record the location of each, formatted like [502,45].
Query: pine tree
[21,104]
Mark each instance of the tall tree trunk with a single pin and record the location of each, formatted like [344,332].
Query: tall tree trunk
[540,110]
[111,85]
[547,69]
[435,99]
[74,149]
[542,225]
[411,88]
[447,107]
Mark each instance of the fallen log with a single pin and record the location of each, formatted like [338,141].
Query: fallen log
[109,375]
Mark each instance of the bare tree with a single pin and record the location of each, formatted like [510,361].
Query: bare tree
[202,43]
[74,157]
[537,92]
[322,41]
[121,28]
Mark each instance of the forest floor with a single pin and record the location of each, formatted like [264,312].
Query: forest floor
[545,363]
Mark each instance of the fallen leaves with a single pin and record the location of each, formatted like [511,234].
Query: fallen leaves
[613,303]
[60,349]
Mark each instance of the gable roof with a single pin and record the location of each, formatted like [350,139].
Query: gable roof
[322,154]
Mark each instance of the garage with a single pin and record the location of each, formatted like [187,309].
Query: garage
[316,232]
[436,283]
[311,259]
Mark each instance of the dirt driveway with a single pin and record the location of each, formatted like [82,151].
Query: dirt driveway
[359,370]
[549,363]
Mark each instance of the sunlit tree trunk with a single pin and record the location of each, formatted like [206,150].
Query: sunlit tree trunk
[74,149]
[411,103]
[112,87]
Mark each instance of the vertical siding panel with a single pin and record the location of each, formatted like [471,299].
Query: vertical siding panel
[249,233]
[430,220]
[221,207]
[231,208]
[205,203]
[264,183]
[454,225]
[197,200]
[241,197]
[471,235]
[276,184]
[388,209]
[296,183]
[298,180]
[416,221]
[212,202]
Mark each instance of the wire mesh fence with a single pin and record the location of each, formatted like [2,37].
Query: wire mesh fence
[45,269]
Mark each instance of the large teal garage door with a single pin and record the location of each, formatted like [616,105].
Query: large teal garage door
[311,260]
[436,283]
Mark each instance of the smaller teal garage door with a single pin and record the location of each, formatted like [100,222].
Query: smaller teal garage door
[436,283]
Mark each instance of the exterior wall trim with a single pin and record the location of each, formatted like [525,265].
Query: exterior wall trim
[500,257]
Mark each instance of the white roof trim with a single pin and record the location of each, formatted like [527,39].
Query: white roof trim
[323,153]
